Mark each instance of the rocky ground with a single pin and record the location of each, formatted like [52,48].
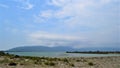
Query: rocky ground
[13,61]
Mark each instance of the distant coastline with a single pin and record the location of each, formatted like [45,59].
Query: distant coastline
[95,52]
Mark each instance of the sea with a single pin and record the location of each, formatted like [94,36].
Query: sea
[59,54]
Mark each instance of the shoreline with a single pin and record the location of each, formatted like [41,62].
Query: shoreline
[61,54]
[15,61]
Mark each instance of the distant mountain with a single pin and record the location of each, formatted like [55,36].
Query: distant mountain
[60,48]
[40,49]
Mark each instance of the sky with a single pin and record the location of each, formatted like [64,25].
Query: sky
[73,23]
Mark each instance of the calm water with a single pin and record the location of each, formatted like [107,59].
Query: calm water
[60,54]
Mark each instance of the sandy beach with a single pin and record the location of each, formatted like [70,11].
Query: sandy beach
[12,61]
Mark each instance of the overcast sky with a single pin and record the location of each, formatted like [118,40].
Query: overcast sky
[74,23]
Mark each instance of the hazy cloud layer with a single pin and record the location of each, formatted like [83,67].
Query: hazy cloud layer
[47,39]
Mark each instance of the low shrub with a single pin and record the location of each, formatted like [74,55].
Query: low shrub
[12,64]
[2,53]
[17,56]
[72,65]
[50,63]
[90,63]
[78,60]
[65,60]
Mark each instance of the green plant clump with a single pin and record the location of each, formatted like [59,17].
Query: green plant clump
[90,63]
[49,63]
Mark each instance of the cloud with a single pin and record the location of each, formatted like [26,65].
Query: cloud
[58,2]
[74,9]
[47,14]
[48,39]
[4,6]
[43,16]
[25,4]
[96,15]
